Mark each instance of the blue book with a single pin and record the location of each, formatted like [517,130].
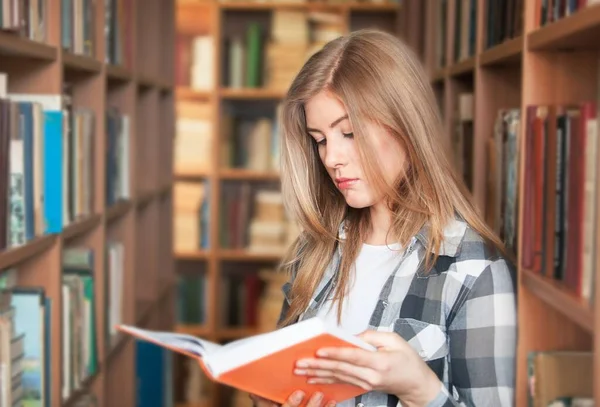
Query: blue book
[150,374]
[32,319]
[53,170]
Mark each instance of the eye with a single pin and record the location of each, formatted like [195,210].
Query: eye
[322,142]
[349,135]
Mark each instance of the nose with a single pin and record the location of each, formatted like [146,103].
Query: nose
[335,154]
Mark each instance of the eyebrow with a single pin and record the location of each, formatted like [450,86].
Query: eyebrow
[332,125]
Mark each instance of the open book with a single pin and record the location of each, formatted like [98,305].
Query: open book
[263,364]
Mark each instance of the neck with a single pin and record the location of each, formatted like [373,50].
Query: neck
[381,220]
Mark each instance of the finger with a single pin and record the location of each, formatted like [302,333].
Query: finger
[327,368]
[294,400]
[361,376]
[316,400]
[354,356]
[381,339]
[340,378]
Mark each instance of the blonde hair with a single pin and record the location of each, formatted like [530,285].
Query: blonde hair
[379,79]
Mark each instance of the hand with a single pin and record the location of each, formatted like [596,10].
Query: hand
[394,369]
[293,401]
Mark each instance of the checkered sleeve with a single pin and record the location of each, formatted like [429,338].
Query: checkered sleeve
[483,339]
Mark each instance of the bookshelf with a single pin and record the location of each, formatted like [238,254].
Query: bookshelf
[95,231]
[214,181]
[540,69]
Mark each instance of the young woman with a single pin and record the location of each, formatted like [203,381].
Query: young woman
[392,248]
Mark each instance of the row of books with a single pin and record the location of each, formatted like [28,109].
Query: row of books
[240,300]
[194,63]
[28,22]
[193,152]
[462,137]
[502,183]
[239,296]
[465,30]
[504,21]
[250,140]
[26,329]
[78,25]
[78,28]
[118,29]
[549,11]
[251,217]
[561,193]
[270,56]
[191,216]
[47,170]
[257,55]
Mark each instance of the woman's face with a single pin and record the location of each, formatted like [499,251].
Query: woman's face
[327,122]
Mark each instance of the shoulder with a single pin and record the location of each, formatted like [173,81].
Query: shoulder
[472,267]
[466,253]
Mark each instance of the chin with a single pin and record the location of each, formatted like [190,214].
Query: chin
[357,201]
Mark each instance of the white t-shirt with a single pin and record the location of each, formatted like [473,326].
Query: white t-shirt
[373,266]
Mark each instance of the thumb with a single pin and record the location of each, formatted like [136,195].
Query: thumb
[380,339]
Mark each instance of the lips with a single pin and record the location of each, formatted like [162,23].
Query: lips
[345,183]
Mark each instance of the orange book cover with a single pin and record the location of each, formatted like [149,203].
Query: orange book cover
[263,364]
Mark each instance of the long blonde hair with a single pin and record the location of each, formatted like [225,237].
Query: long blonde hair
[379,79]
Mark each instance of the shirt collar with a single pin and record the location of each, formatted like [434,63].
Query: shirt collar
[453,236]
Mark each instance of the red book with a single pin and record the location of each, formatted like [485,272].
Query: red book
[263,364]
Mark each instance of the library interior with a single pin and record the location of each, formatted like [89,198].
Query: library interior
[170,217]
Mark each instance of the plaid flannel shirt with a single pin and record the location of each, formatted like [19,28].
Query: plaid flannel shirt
[460,317]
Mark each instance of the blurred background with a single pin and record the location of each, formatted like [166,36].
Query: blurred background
[139,179]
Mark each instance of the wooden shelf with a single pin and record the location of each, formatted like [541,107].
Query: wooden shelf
[117,210]
[578,31]
[308,6]
[148,81]
[80,63]
[244,255]
[116,73]
[195,255]
[30,250]
[464,67]
[508,52]
[251,93]
[439,75]
[183,176]
[81,227]
[12,45]
[246,175]
[558,297]
[187,93]
[375,7]
[144,198]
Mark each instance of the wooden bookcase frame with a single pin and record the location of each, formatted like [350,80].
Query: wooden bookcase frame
[556,63]
[144,91]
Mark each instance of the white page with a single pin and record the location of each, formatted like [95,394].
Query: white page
[187,343]
[241,352]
